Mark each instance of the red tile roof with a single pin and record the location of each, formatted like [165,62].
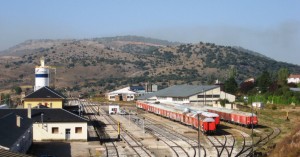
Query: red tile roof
[294,76]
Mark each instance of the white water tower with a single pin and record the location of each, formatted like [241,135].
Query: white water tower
[41,75]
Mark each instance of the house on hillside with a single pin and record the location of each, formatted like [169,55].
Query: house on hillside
[202,95]
[45,96]
[252,80]
[294,78]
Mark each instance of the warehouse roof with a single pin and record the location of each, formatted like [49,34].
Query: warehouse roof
[179,91]
[125,90]
[294,76]
[45,92]
[6,153]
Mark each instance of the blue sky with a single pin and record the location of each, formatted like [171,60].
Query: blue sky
[271,28]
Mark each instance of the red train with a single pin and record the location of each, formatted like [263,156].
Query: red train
[236,117]
[207,122]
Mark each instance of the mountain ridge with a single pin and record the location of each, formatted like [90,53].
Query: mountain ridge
[105,64]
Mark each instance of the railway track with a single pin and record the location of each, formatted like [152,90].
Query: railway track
[169,136]
[244,143]
[220,146]
[169,139]
[264,139]
[110,147]
[224,145]
[134,144]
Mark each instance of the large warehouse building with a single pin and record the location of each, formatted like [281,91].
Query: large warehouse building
[189,94]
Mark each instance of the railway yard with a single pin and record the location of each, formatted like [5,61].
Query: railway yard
[143,133]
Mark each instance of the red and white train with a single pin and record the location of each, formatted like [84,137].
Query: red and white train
[236,117]
[207,121]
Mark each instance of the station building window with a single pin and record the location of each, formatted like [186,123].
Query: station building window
[78,130]
[54,130]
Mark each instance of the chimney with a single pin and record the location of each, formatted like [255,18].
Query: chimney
[29,111]
[18,121]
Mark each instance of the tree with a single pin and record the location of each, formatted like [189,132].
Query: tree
[5,98]
[232,72]
[18,90]
[282,75]
[230,86]
[245,87]
[264,81]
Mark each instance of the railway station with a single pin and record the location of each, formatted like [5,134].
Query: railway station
[172,129]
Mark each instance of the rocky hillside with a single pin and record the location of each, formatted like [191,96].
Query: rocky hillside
[107,63]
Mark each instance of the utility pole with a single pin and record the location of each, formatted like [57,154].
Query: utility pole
[252,129]
[199,146]
[143,125]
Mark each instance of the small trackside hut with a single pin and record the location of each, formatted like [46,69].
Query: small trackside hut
[114,109]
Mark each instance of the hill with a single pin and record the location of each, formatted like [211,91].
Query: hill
[107,63]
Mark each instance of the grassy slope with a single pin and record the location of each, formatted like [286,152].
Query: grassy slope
[277,118]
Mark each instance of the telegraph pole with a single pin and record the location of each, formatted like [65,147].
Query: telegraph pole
[252,129]
[199,146]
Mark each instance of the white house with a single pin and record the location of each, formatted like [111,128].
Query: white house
[293,78]
[19,127]
[184,94]
[58,124]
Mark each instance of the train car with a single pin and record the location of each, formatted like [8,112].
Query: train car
[215,116]
[188,119]
[182,115]
[224,115]
[236,117]
[207,124]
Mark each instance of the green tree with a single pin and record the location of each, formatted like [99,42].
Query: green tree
[5,98]
[282,75]
[232,72]
[230,86]
[18,90]
[264,81]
